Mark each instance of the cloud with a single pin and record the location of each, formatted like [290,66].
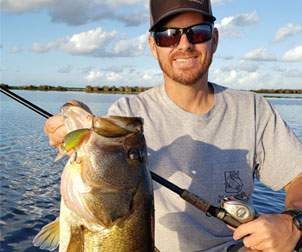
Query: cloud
[96,43]
[293,54]
[78,12]
[90,42]
[94,75]
[130,47]
[15,50]
[242,65]
[294,73]
[23,6]
[65,69]
[226,57]
[229,26]
[239,79]
[44,48]
[260,54]
[133,19]
[287,31]
[112,76]
[97,75]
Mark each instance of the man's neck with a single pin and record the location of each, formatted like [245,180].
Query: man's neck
[197,98]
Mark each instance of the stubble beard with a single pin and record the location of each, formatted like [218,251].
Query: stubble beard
[186,77]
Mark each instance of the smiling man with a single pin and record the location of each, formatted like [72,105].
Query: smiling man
[210,140]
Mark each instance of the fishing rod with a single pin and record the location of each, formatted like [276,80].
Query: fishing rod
[231,211]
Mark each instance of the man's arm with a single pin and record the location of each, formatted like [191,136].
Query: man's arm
[293,191]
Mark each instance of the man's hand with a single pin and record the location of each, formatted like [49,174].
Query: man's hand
[54,128]
[269,233]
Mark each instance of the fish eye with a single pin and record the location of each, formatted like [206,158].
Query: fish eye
[136,154]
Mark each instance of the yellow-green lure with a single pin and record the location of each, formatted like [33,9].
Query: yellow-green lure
[72,140]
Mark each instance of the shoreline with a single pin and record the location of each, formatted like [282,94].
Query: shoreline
[269,93]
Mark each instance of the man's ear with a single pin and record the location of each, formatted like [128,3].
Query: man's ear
[215,39]
[152,46]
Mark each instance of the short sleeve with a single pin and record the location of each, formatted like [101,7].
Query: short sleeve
[120,108]
[278,150]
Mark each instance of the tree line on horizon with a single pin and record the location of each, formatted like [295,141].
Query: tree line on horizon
[124,89]
[88,89]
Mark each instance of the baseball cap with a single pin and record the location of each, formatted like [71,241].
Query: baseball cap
[162,9]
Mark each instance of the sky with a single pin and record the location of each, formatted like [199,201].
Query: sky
[75,43]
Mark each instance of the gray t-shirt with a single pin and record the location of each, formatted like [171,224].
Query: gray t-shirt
[212,155]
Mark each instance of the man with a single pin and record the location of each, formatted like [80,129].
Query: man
[208,139]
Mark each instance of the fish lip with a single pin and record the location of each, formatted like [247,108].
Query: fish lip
[75,103]
[117,126]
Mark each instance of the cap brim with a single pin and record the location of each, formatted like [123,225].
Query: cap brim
[181,10]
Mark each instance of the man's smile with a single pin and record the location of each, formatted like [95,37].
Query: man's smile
[185,62]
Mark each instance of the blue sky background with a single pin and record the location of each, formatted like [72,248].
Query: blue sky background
[103,42]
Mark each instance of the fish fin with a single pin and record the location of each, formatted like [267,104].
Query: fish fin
[60,154]
[49,236]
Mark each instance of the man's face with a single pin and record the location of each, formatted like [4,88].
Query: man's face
[185,63]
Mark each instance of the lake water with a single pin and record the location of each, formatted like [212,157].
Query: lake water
[29,178]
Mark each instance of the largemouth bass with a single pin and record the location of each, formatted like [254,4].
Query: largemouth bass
[106,190]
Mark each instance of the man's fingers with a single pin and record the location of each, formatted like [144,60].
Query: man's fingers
[55,129]
[253,241]
[245,229]
[54,140]
[53,123]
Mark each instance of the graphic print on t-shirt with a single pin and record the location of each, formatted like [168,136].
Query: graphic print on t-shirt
[233,183]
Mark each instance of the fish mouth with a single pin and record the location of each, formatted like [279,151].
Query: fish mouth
[117,126]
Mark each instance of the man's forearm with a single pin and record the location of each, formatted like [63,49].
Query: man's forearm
[293,197]
[293,191]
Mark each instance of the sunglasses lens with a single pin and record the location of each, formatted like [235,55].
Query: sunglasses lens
[167,38]
[200,33]
[196,34]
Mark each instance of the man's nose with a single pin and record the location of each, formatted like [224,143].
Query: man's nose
[184,43]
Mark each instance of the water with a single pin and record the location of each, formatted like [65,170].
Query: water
[30,179]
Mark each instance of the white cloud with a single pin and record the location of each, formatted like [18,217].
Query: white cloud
[293,54]
[242,65]
[147,77]
[44,48]
[23,5]
[130,47]
[236,78]
[15,50]
[120,2]
[96,43]
[88,42]
[97,75]
[112,76]
[229,26]
[78,12]
[260,54]
[94,75]
[294,73]
[279,75]
[287,31]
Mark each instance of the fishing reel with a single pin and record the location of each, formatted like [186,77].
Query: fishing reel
[235,212]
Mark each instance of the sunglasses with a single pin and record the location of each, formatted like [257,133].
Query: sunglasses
[170,37]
